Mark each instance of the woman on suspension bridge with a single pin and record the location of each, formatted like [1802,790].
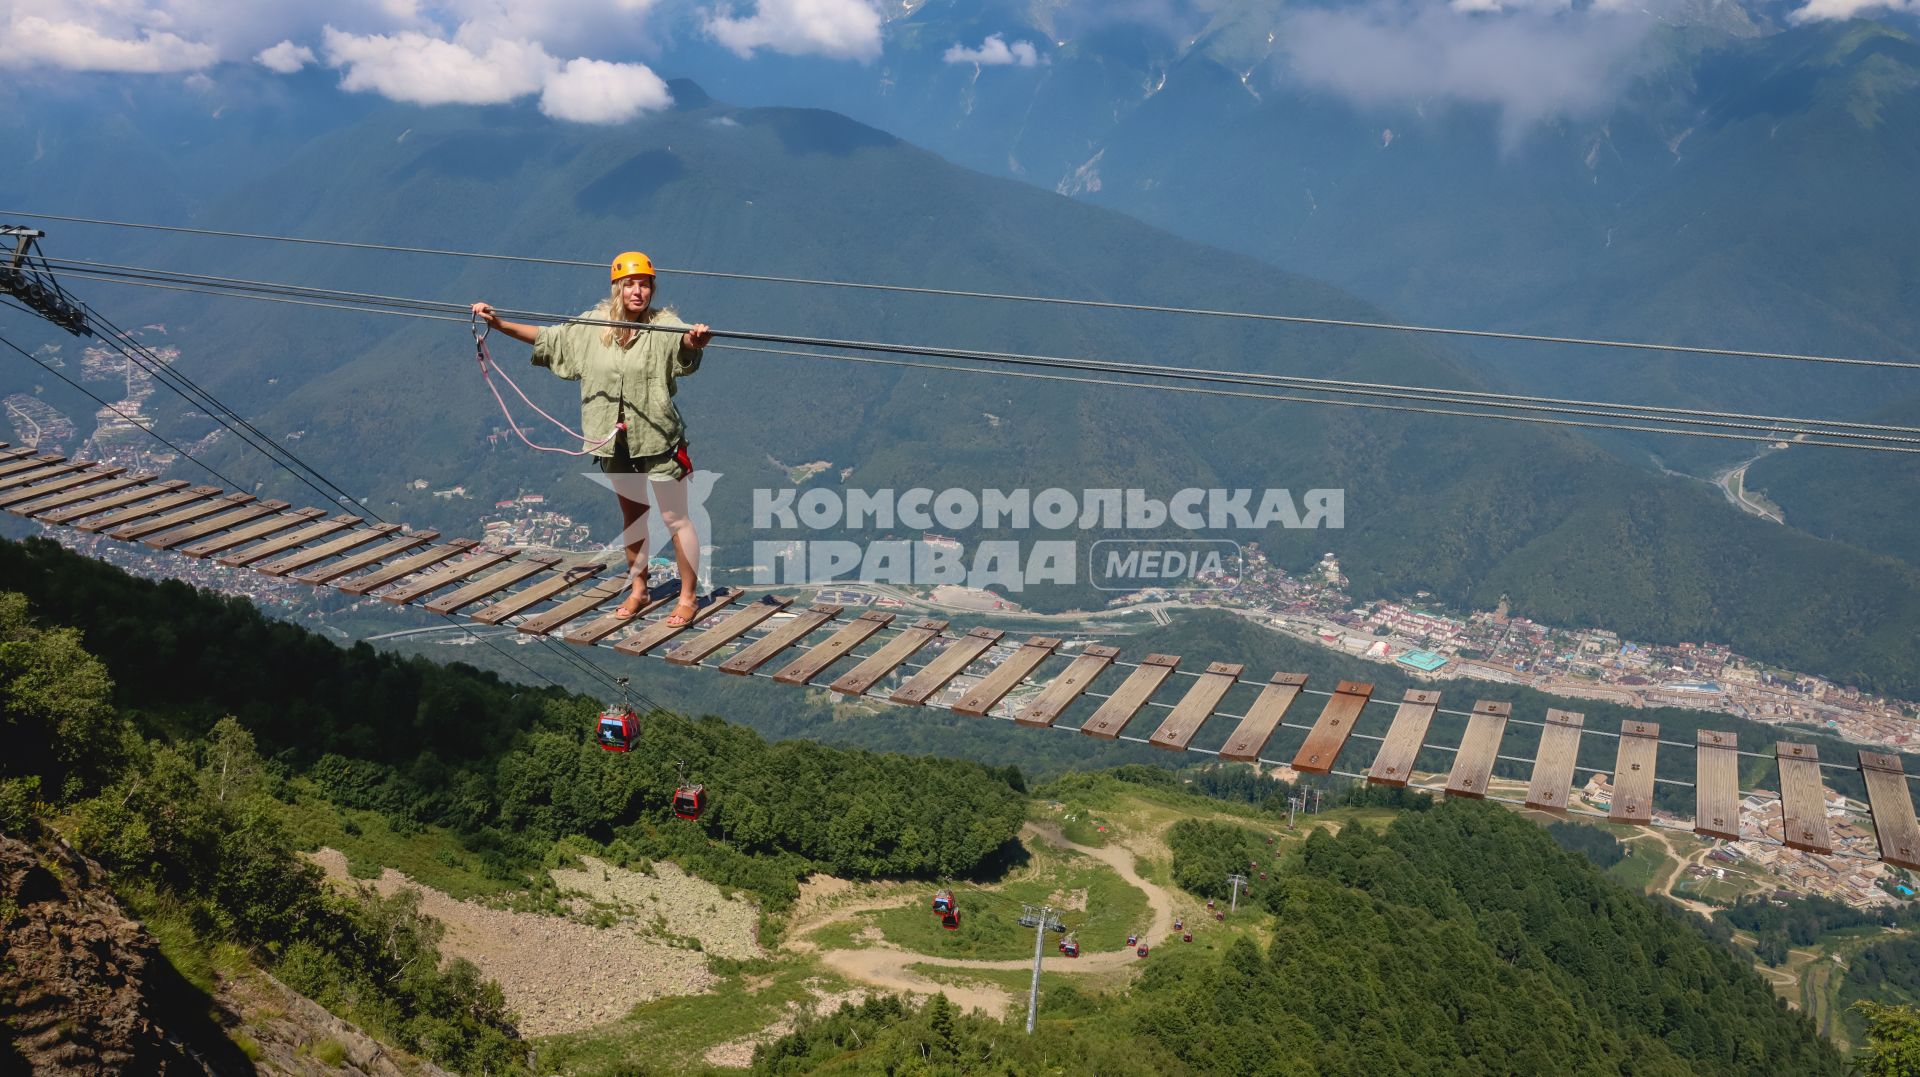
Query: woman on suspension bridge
[627,380]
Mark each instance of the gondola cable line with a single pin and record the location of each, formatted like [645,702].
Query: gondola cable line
[127,274]
[56,372]
[1809,432]
[165,374]
[1488,334]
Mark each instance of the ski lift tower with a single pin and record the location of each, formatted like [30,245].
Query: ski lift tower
[1236,881]
[1042,919]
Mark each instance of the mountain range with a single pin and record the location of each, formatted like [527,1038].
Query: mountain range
[1731,177]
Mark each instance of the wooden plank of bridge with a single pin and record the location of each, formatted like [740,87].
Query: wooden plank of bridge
[1553,765]
[40,490]
[736,625]
[167,540]
[805,668]
[482,560]
[654,633]
[74,496]
[214,544]
[857,680]
[1405,737]
[407,566]
[179,517]
[67,514]
[299,559]
[602,627]
[1194,708]
[759,653]
[1336,723]
[578,606]
[1473,763]
[1633,773]
[399,544]
[1803,801]
[1060,692]
[499,581]
[51,469]
[25,465]
[1892,806]
[949,664]
[1716,785]
[535,593]
[1265,716]
[1007,675]
[290,540]
[164,503]
[1113,714]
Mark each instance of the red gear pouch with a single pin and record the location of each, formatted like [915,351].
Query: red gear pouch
[680,454]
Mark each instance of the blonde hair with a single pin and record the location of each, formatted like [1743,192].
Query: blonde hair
[611,309]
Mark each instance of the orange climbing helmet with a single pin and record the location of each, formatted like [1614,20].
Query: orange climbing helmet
[631,264]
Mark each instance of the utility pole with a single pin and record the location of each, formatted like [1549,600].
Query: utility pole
[1236,881]
[1293,807]
[1316,800]
[1041,918]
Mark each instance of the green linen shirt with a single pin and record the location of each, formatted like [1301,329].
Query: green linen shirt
[637,381]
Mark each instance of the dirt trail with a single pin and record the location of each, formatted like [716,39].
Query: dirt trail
[1684,858]
[888,966]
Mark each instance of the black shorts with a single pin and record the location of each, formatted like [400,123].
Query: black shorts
[673,464]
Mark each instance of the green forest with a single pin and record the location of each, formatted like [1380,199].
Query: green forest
[164,732]
[160,728]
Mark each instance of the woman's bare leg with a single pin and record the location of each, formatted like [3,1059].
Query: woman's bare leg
[632,517]
[671,495]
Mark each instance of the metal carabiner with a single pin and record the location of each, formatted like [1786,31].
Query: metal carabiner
[480,331]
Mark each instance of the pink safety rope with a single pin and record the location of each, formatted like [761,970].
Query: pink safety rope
[488,368]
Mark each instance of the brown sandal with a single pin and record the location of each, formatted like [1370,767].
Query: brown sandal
[631,608]
[679,619]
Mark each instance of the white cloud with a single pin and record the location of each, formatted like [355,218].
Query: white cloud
[1820,10]
[36,41]
[838,29]
[422,70]
[595,91]
[285,58]
[994,51]
[1531,61]
[152,36]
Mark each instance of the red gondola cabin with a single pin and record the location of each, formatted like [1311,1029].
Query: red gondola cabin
[1141,952]
[689,801]
[1070,946]
[619,729]
[943,902]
